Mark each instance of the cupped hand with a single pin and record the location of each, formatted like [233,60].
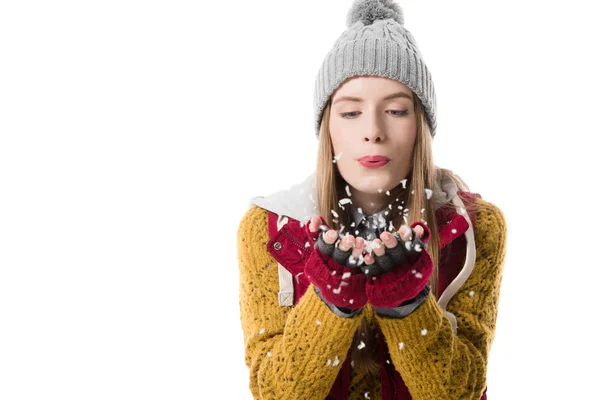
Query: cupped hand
[346,257]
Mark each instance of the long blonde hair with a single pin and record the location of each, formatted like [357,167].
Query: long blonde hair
[330,189]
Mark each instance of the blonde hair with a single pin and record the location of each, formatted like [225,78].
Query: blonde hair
[330,189]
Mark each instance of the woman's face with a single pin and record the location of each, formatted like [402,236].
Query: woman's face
[371,116]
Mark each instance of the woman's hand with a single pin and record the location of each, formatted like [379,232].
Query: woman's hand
[388,254]
[329,266]
[400,282]
[341,254]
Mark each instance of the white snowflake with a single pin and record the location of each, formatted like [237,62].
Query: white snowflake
[400,345]
[380,190]
[351,301]
[361,345]
[424,331]
[388,192]
[329,361]
[346,275]
[419,275]
[269,354]
[453,230]
[334,213]
[336,361]
[348,191]
[318,322]
[471,293]
[429,193]
[367,395]
[261,331]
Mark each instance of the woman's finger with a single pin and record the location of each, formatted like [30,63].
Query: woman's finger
[315,221]
[389,240]
[330,236]
[346,243]
[378,247]
[419,230]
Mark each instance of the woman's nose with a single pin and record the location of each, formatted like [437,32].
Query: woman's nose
[374,138]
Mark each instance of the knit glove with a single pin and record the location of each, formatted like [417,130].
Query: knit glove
[403,280]
[326,268]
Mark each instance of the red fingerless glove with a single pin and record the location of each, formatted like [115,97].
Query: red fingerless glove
[339,285]
[404,282]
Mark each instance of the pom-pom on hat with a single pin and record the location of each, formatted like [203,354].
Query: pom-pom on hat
[375,43]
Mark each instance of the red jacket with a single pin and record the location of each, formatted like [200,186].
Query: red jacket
[287,244]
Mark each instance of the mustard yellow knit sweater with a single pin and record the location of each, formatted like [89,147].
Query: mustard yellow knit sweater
[296,352]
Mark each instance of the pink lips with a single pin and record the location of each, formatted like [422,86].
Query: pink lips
[373,161]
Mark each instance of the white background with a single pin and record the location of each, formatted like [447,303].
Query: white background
[133,135]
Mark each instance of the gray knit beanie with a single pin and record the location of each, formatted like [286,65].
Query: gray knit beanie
[375,43]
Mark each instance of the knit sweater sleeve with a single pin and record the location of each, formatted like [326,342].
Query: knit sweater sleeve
[434,362]
[291,352]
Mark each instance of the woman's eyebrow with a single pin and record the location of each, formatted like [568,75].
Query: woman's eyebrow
[389,97]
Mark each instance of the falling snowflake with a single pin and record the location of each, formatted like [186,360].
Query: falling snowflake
[422,210]
[344,201]
[388,192]
[336,158]
[424,331]
[361,345]
[329,361]
[334,213]
[336,361]
[419,275]
[360,210]
[404,183]
[380,190]
[417,247]
[261,331]
[400,345]
[318,322]
[269,354]
[351,301]
[453,230]
[337,291]
[429,193]
[348,191]
[367,395]
[471,293]
[346,275]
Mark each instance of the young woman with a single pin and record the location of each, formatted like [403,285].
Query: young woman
[379,275]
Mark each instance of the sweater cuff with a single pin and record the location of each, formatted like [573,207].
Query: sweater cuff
[341,311]
[405,308]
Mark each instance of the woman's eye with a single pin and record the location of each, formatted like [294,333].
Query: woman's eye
[399,112]
[345,114]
